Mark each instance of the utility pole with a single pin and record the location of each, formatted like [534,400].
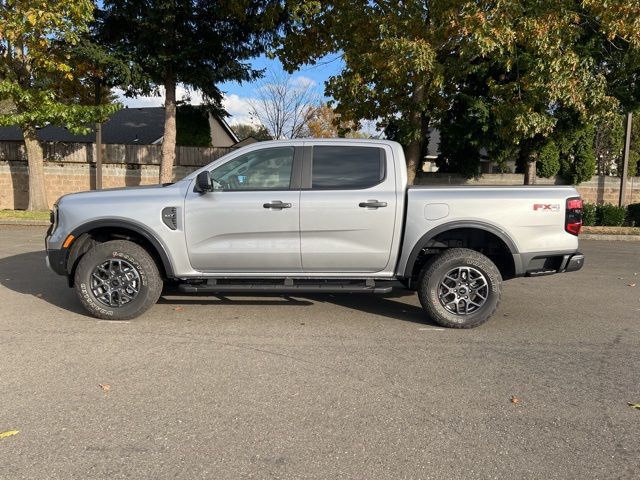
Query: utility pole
[625,162]
[98,99]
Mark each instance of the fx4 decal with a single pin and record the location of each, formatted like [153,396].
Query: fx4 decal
[546,207]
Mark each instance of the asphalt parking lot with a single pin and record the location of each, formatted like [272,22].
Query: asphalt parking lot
[321,386]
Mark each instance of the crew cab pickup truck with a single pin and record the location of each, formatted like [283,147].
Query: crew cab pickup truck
[306,216]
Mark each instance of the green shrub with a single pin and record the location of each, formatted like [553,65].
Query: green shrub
[577,156]
[609,215]
[192,126]
[589,214]
[633,214]
[548,164]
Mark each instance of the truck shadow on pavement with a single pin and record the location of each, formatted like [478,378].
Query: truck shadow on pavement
[26,273]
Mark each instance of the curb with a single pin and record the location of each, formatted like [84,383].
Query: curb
[603,236]
[20,222]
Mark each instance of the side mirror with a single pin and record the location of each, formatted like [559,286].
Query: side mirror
[203,183]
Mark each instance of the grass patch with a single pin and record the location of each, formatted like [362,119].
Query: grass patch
[24,215]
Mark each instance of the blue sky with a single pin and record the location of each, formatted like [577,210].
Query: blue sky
[238,95]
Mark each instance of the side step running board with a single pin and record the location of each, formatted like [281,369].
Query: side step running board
[287,287]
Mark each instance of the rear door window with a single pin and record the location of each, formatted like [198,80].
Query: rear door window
[347,168]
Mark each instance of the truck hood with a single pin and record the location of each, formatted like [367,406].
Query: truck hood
[120,193]
[108,192]
[127,197]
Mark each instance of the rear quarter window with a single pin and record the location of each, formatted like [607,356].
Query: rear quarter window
[340,167]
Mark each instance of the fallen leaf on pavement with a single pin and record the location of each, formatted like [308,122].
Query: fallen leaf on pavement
[105,386]
[515,399]
[9,433]
[632,284]
[178,309]
[634,405]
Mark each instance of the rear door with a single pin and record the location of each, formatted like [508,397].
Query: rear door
[347,208]
[250,221]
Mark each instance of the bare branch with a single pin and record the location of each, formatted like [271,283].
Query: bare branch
[285,104]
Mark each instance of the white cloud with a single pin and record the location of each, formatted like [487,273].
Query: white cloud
[182,93]
[303,82]
[239,108]
[138,102]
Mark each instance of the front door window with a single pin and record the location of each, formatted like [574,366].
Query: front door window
[266,169]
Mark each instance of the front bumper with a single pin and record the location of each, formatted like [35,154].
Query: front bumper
[57,261]
[56,258]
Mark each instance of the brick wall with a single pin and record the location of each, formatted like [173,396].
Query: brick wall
[63,178]
[607,190]
[599,189]
[70,167]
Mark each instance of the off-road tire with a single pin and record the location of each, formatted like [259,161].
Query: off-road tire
[434,272]
[150,279]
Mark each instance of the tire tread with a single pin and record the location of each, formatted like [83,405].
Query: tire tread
[154,281]
[437,262]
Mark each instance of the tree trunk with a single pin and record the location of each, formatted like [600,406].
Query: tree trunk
[412,155]
[169,139]
[530,171]
[413,151]
[35,160]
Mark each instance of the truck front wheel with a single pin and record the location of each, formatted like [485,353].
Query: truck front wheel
[117,280]
[460,288]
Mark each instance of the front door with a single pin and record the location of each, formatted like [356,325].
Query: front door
[348,208]
[250,221]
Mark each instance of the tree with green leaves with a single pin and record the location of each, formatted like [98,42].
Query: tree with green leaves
[634,150]
[407,62]
[548,59]
[35,41]
[97,70]
[391,72]
[198,43]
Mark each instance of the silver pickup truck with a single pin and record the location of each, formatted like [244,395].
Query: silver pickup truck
[307,216]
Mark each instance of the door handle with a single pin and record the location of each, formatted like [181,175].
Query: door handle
[372,204]
[276,205]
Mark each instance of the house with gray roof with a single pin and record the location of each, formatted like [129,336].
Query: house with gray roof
[138,126]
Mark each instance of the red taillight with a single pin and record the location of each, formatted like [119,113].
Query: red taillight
[573,216]
[574,204]
[574,228]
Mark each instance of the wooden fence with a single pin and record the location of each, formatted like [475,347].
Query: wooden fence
[113,153]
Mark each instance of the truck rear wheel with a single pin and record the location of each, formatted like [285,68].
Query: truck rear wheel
[460,288]
[117,280]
